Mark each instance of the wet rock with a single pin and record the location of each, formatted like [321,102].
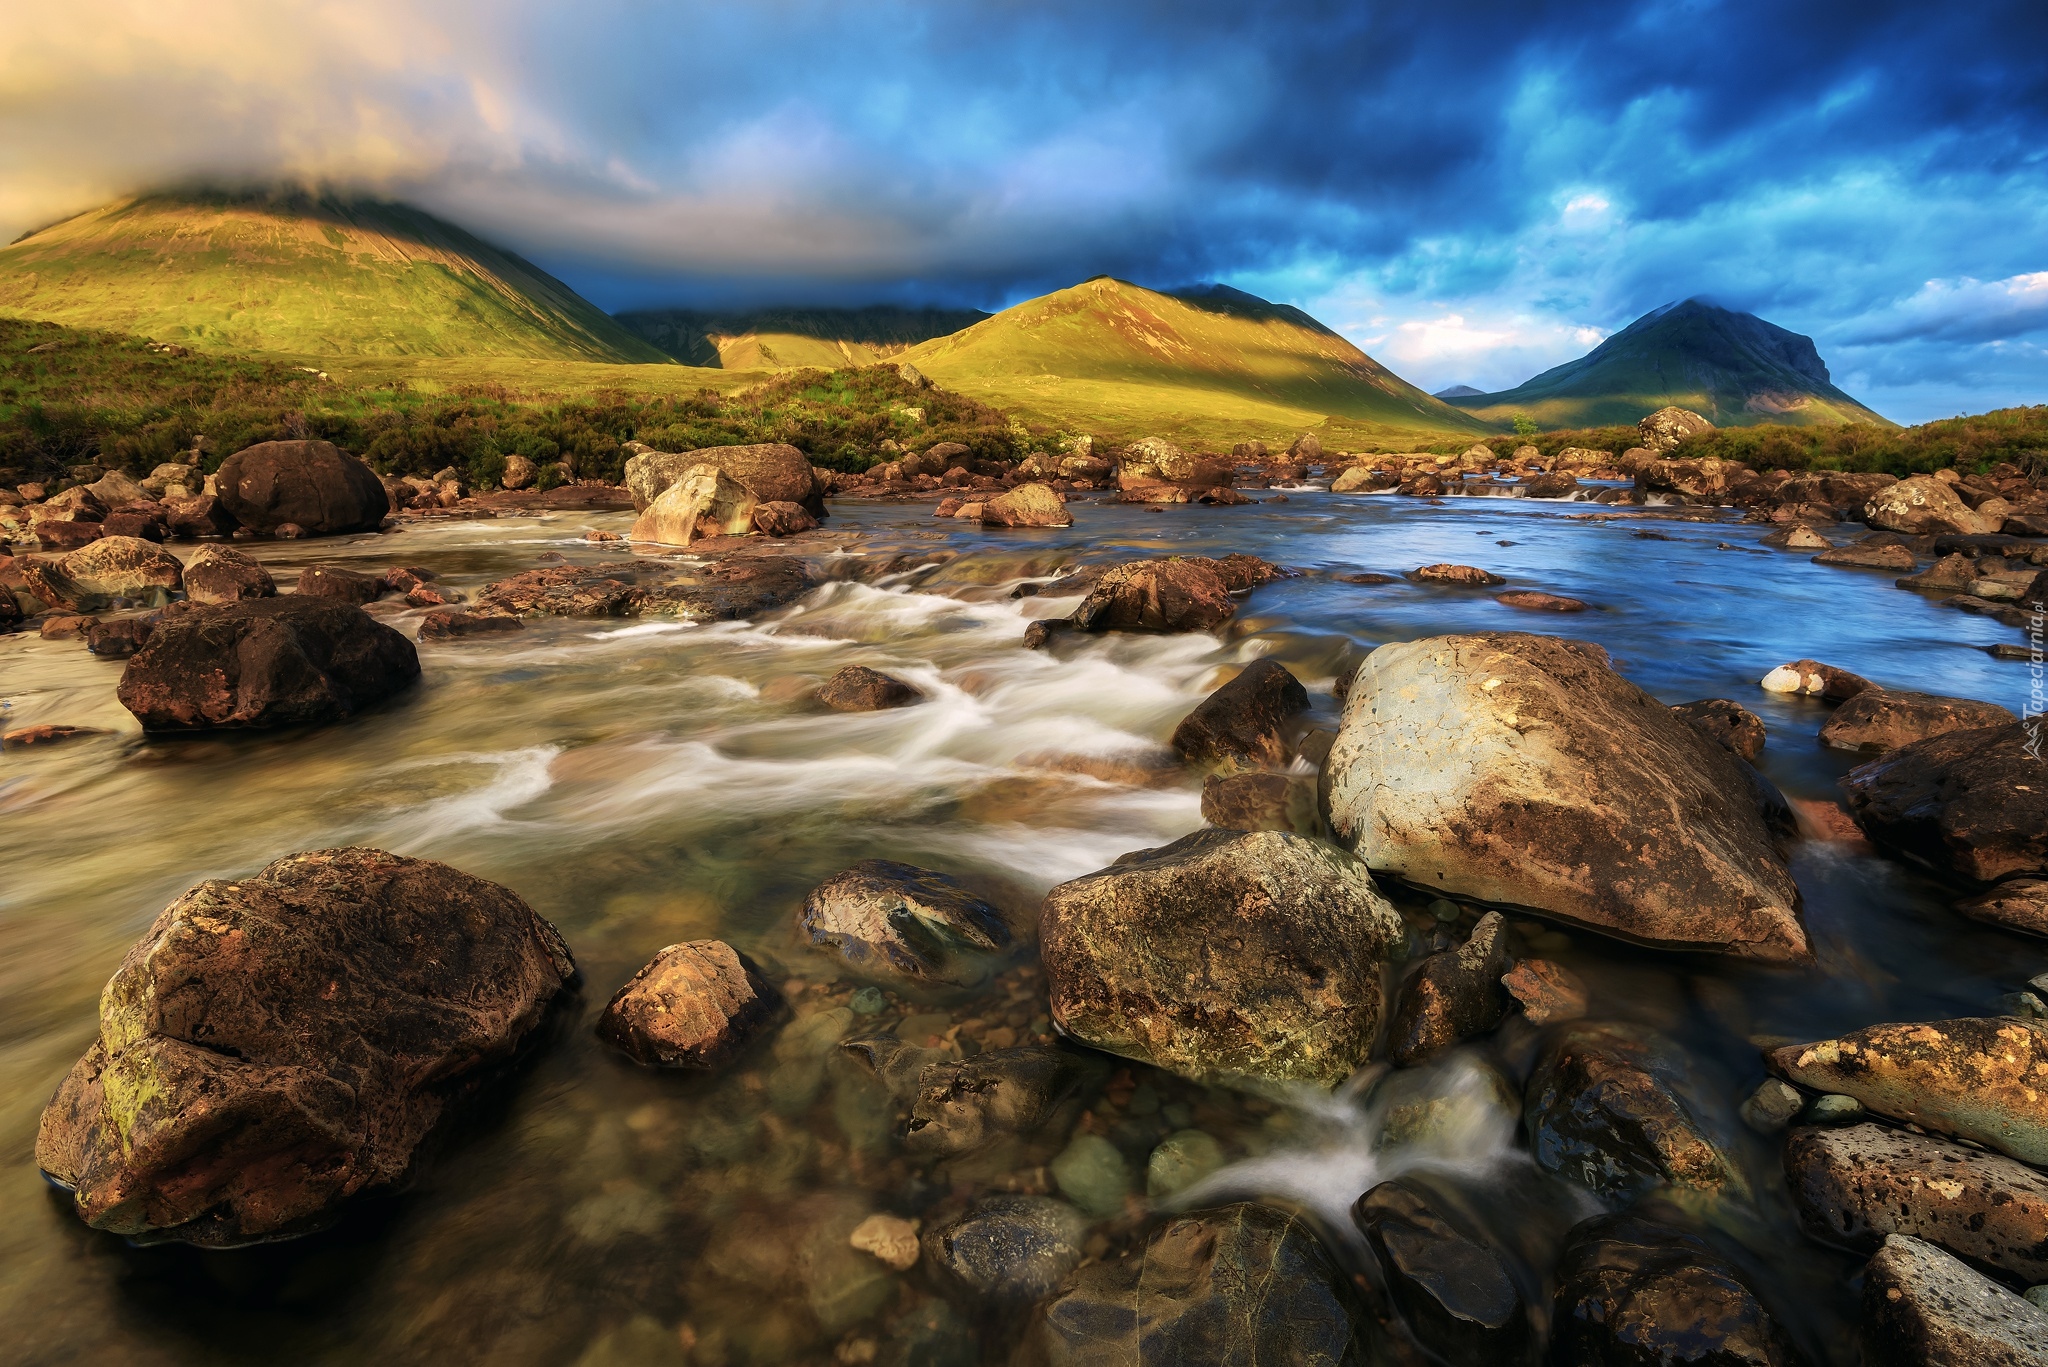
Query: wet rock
[1854,1186]
[218,574]
[119,638]
[1453,995]
[189,519]
[1258,802]
[1857,556]
[1181,1160]
[1978,1078]
[1955,572]
[779,517]
[1466,575]
[890,918]
[309,484]
[703,501]
[1244,721]
[694,1005]
[1772,1106]
[773,472]
[1091,1173]
[1363,479]
[26,737]
[1529,600]
[1223,953]
[194,1116]
[1878,720]
[1921,505]
[144,521]
[1971,803]
[1452,1289]
[1923,1308]
[1187,594]
[1008,1251]
[1238,1284]
[1799,538]
[2016,904]
[1607,1108]
[1027,505]
[446,624]
[1835,1109]
[265,662]
[959,1106]
[1551,486]
[1634,1293]
[1811,678]
[892,1241]
[857,688]
[1548,992]
[1728,724]
[93,576]
[345,586]
[65,626]
[1552,743]
[725,590]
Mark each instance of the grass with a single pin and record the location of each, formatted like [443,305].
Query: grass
[792,338]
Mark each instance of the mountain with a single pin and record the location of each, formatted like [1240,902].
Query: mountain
[1458,391]
[1205,365]
[1734,368]
[790,338]
[305,274]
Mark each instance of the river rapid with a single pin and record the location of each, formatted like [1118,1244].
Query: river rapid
[646,782]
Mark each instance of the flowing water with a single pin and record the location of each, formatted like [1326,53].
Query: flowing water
[642,783]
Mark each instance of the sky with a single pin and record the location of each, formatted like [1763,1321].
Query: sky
[1472,191]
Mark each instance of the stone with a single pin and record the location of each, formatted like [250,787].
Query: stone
[1180,594]
[2016,904]
[1852,1187]
[1182,1159]
[1635,1293]
[1223,953]
[1464,575]
[120,638]
[1667,427]
[1921,505]
[145,521]
[1799,538]
[1772,1106]
[520,473]
[1547,992]
[1923,1308]
[1728,724]
[1236,1284]
[899,920]
[958,1106]
[1453,995]
[891,1240]
[1258,801]
[782,518]
[65,626]
[309,484]
[1154,460]
[703,501]
[1558,485]
[116,488]
[345,586]
[190,519]
[1861,557]
[1362,479]
[195,1116]
[1608,1108]
[857,688]
[1244,721]
[26,737]
[220,574]
[446,624]
[774,472]
[1811,678]
[1027,505]
[1529,600]
[93,576]
[1835,1109]
[265,662]
[1694,481]
[1970,803]
[1953,572]
[695,1005]
[727,589]
[1878,720]
[1008,1251]
[1551,744]
[1091,1173]
[1977,1078]
[1451,1288]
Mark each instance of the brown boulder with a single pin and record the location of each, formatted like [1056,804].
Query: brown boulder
[1667,427]
[189,519]
[217,574]
[1923,1308]
[774,472]
[1244,721]
[265,662]
[1811,678]
[280,1043]
[309,484]
[444,624]
[1547,992]
[1923,504]
[347,586]
[1181,594]
[1615,1108]
[1954,572]
[886,918]
[1634,1293]
[1453,1290]
[1728,724]
[1529,600]
[694,1005]
[1453,995]
[1858,556]
[780,517]
[1258,801]
[2016,904]
[857,688]
[92,577]
[703,501]
[1027,505]
[1971,803]
[1466,575]
[1878,720]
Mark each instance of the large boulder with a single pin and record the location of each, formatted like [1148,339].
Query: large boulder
[1244,721]
[265,662]
[1223,953]
[857,688]
[1452,1289]
[898,920]
[1237,1284]
[341,585]
[694,1005]
[1667,427]
[1971,803]
[703,501]
[1156,471]
[959,1106]
[1977,1078]
[1178,594]
[774,472]
[1027,505]
[1923,505]
[1878,720]
[1728,724]
[1007,1251]
[1923,1308]
[277,1044]
[311,484]
[1700,481]
[94,575]
[1522,770]
[219,574]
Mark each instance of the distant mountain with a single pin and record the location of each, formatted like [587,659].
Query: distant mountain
[305,274]
[791,338]
[1458,391]
[1734,368]
[1209,364]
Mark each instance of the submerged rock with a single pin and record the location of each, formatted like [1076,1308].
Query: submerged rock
[1728,724]
[443,624]
[1091,1173]
[1971,803]
[779,517]
[1529,600]
[1452,1289]
[729,589]
[1244,721]
[694,1005]
[1548,992]
[218,574]
[891,918]
[857,688]
[1181,1160]
[962,1105]
[1223,953]
[309,484]
[1607,1108]
[1259,801]
[1923,1308]
[1858,556]
[1880,720]
[1574,793]
[1454,995]
[1008,1251]
[194,1116]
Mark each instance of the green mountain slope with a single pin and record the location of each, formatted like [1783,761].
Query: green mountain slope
[1209,366]
[303,274]
[1733,368]
[793,338]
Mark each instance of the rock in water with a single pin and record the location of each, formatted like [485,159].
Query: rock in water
[119,567]
[2016,904]
[782,518]
[1470,576]
[961,1106]
[774,472]
[1523,771]
[1454,995]
[311,484]
[1607,1107]
[1008,1251]
[1922,504]
[1631,1291]
[344,586]
[891,918]
[857,688]
[1811,678]
[277,1044]
[1027,505]
[1223,953]
[1972,803]
[1857,556]
[694,1005]
[1158,595]
[1529,600]
[1922,1308]
[1729,725]
[1856,1185]
[1452,1289]
[703,501]
[265,662]
[1243,721]
[1238,1284]
[1259,802]
[1978,1078]
[217,574]
[1879,720]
